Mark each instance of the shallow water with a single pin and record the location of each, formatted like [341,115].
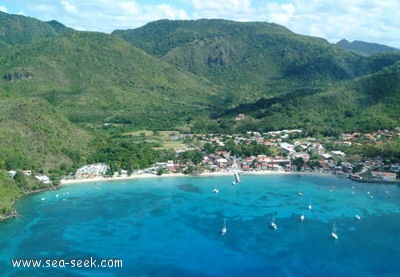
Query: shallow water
[171,227]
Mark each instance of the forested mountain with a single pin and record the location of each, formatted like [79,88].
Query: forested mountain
[249,60]
[366,48]
[278,78]
[18,29]
[98,78]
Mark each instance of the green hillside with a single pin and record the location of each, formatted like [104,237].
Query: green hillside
[34,136]
[366,48]
[18,29]
[367,103]
[249,60]
[98,78]
[278,78]
[8,194]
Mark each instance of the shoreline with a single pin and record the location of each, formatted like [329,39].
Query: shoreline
[64,182]
[67,182]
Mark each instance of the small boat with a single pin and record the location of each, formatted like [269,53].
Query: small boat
[300,194]
[215,190]
[334,233]
[309,206]
[358,217]
[223,230]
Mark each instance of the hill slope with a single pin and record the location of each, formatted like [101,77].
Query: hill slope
[278,78]
[368,103]
[250,60]
[366,48]
[99,78]
[18,29]
[34,136]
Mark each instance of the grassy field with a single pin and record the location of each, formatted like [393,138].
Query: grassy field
[164,139]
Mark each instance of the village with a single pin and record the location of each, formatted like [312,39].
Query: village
[289,151]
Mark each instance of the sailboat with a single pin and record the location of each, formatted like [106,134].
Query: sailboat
[334,233]
[223,230]
[237,178]
[273,224]
[302,216]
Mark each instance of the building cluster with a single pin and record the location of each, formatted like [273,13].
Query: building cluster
[296,153]
[293,151]
[91,170]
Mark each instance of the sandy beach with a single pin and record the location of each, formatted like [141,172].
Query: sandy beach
[205,174]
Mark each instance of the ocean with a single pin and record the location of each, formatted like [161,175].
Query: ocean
[172,227]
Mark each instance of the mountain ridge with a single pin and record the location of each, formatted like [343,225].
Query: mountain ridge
[19,30]
[366,48]
[228,52]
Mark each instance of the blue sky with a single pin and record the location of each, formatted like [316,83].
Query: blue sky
[367,20]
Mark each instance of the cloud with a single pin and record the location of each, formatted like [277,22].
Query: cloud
[130,7]
[368,20]
[69,7]
[225,9]
[3,9]
[170,12]
[226,5]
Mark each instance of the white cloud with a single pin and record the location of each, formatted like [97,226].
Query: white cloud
[226,9]
[368,20]
[226,5]
[130,7]
[69,7]
[3,9]
[170,12]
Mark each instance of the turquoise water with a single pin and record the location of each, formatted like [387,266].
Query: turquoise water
[171,227]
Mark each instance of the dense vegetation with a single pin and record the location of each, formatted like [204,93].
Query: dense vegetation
[278,79]
[248,60]
[18,29]
[97,78]
[68,98]
[34,136]
[365,48]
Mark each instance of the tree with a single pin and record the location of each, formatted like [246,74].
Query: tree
[299,162]
[20,179]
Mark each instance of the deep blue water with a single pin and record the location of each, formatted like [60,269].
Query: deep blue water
[170,227]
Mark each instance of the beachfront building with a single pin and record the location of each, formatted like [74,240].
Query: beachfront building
[43,179]
[91,170]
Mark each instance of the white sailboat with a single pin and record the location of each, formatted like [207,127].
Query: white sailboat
[237,178]
[223,230]
[235,173]
[302,216]
[273,224]
[334,233]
